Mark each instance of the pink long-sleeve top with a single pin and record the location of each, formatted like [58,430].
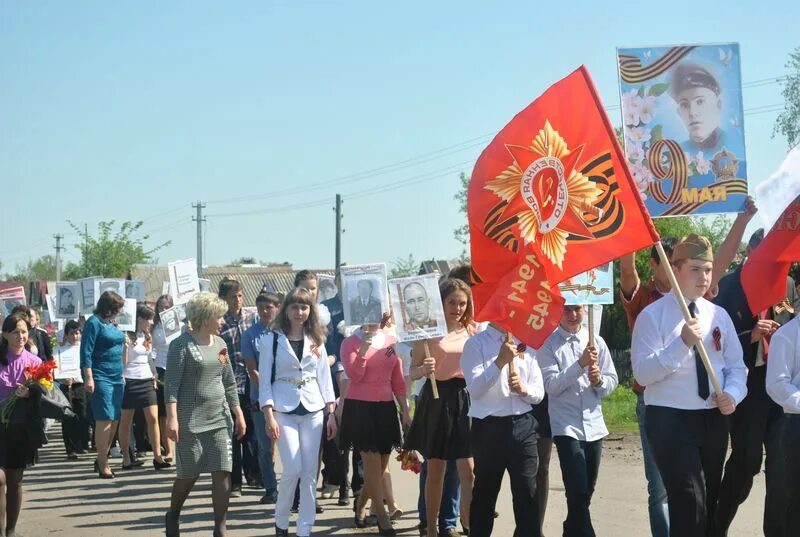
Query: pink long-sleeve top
[376,376]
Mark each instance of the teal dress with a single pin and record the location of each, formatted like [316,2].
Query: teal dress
[102,345]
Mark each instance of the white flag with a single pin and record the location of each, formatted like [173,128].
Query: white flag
[774,194]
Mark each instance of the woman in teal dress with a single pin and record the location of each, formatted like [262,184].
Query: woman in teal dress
[102,345]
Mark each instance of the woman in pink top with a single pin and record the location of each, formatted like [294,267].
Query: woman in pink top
[369,417]
[16,451]
[440,430]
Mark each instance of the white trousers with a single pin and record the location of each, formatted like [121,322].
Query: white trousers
[298,446]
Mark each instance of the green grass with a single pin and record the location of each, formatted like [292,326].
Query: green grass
[619,411]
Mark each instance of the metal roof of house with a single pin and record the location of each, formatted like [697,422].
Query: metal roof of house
[278,278]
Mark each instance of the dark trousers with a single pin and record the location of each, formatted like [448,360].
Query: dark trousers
[689,447]
[244,460]
[580,463]
[75,430]
[757,424]
[501,444]
[791,441]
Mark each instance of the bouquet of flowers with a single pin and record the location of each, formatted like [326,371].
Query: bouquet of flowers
[39,378]
[409,460]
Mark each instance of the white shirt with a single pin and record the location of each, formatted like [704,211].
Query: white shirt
[666,366]
[783,367]
[574,404]
[487,384]
[160,347]
[284,395]
[137,365]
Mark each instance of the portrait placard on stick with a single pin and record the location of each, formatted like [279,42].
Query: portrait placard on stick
[88,300]
[365,295]
[68,300]
[126,320]
[417,307]
[171,321]
[327,287]
[595,286]
[183,280]
[134,289]
[11,298]
[68,363]
[683,124]
[115,285]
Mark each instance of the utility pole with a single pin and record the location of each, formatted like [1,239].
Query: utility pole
[58,238]
[339,231]
[199,219]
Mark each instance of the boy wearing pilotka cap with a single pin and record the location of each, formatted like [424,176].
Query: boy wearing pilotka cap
[687,424]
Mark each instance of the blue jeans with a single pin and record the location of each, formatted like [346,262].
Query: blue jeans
[451,497]
[657,494]
[262,446]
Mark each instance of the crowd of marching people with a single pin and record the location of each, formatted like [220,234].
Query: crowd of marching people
[234,390]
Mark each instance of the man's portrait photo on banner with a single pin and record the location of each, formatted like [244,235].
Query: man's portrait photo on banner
[364,293]
[170,319]
[683,127]
[68,295]
[417,307]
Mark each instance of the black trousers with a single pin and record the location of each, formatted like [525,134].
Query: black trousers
[689,447]
[757,424]
[580,464]
[501,444]
[75,430]
[244,460]
[791,441]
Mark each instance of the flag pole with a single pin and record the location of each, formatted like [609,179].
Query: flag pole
[591,325]
[432,376]
[511,367]
[676,291]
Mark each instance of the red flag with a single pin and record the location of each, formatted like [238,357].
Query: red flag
[764,273]
[550,197]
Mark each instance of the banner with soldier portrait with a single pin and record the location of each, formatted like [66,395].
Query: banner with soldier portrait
[417,307]
[683,127]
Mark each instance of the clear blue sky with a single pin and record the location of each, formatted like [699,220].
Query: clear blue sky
[132,110]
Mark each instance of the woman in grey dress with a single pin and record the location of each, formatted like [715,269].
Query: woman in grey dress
[200,394]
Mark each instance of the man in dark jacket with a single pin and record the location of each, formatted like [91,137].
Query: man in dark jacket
[757,423]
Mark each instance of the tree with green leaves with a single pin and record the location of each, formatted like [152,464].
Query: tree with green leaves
[404,267]
[43,268]
[461,233]
[788,122]
[112,252]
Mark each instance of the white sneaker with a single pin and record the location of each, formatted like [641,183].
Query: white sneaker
[115,453]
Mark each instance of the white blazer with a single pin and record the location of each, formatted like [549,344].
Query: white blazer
[312,370]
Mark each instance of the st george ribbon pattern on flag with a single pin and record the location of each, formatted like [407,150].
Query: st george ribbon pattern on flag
[550,197]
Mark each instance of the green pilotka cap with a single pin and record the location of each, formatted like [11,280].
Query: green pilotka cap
[693,246]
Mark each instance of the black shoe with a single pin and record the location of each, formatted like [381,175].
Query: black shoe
[320,510]
[172,525]
[82,452]
[269,498]
[161,465]
[344,498]
[281,533]
[72,457]
[387,531]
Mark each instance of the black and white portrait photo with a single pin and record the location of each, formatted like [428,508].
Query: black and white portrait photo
[68,300]
[364,294]
[417,307]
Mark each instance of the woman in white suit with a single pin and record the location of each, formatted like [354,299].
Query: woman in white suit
[294,387]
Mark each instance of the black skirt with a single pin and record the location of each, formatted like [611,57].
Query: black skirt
[371,426]
[139,393]
[440,429]
[16,449]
